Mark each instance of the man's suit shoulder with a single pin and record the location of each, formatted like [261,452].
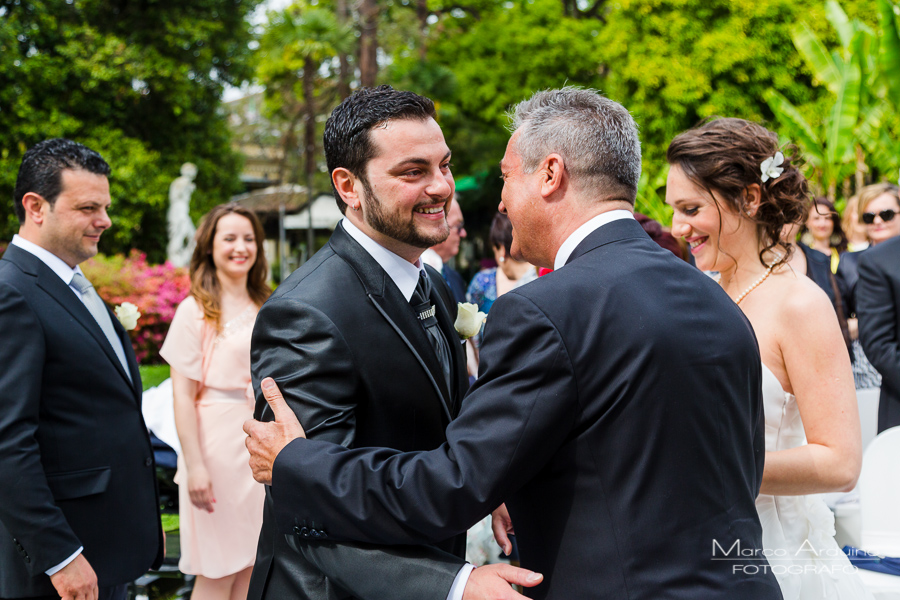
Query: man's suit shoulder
[12,274]
[883,255]
[324,287]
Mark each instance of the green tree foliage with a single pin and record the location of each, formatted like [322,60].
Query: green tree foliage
[854,137]
[139,82]
[675,63]
[482,60]
[297,64]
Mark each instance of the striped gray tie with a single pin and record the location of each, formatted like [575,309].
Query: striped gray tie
[98,310]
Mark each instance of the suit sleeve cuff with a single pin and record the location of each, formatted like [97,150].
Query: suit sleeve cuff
[459,584]
[65,563]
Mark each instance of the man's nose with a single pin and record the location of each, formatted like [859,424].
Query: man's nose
[103,221]
[441,185]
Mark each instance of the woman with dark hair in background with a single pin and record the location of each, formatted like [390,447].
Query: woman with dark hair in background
[208,349]
[733,192]
[823,231]
[490,284]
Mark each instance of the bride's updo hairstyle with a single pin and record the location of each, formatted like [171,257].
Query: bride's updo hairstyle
[725,156]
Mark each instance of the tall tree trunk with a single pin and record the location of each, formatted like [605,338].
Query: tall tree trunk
[368,42]
[309,73]
[422,14]
[861,168]
[343,15]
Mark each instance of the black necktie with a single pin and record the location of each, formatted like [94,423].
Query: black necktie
[425,311]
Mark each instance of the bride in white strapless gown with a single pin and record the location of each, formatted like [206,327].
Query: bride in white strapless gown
[734,193]
[798,531]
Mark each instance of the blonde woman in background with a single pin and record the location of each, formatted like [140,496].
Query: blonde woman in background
[878,207]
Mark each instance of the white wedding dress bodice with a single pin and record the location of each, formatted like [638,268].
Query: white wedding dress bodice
[798,531]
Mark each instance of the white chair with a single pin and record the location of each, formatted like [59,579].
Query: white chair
[879,498]
[867,402]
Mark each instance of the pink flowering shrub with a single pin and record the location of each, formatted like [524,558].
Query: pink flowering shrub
[156,290]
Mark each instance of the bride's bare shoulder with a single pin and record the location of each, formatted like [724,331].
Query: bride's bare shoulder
[800,300]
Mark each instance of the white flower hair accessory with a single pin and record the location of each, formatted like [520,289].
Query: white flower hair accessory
[128,315]
[468,320]
[771,167]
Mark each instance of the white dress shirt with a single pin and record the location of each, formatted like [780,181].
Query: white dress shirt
[406,276]
[66,273]
[586,229]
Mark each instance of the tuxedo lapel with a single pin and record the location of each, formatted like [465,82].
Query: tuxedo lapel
[130,357]
[395,309]
[50,282]
[458,377]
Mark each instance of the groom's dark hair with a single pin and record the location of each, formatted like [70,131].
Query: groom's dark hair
[347,141]
[42,167]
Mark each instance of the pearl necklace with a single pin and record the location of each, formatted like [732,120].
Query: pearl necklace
[755,285]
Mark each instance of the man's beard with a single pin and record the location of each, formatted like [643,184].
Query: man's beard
[392,225]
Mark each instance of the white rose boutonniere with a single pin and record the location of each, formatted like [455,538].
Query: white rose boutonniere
[128,315]
[468,320]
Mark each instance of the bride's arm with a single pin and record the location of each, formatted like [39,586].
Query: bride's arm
[818,369]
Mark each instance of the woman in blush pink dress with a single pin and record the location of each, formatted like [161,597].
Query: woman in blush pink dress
[208,349]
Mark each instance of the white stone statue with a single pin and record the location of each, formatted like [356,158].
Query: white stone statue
[180,227]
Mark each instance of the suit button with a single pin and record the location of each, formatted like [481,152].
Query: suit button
[304,532]
[296,530]
[148,462]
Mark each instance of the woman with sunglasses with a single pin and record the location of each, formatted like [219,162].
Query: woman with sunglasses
[878,207]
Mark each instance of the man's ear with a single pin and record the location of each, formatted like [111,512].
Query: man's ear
[34,207]
[348,186]
[553,174]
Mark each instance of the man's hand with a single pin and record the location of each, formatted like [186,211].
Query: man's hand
[266,440]
[492,582]
[503,528]
[76,581]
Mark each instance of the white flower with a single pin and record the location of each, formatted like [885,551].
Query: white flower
[468,320]
[771,167]
[128,315]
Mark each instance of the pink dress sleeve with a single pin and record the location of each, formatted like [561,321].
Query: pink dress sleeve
[182,348]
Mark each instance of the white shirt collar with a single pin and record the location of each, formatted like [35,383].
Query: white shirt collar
[586,229]
[403,273]
[433,260]
[56,264]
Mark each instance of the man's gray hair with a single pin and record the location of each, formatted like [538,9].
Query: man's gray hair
[596,137]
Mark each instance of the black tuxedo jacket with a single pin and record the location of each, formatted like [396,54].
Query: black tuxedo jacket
[618,414]
[76,466]
[877,297]
[355,365]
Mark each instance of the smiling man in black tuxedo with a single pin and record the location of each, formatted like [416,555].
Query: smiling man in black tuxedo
[361,340]
[79,513]
[617,413]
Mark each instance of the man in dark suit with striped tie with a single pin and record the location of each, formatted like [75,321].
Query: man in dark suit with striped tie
[79,512]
